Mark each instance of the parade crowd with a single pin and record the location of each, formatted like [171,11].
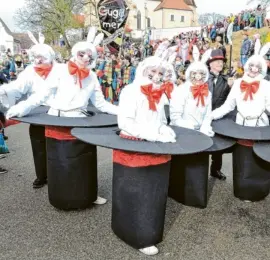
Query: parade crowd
[191,74]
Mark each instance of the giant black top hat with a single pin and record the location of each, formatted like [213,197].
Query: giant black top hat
[94,118]
[216,55]
[228,127]
[187,141]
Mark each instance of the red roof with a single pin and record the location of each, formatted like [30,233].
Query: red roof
[79,18]
[173,4]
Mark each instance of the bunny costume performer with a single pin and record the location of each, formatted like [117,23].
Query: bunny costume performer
[251,96]
[78,84]
[40,77]
[77,160]
[142,117]
[191,103]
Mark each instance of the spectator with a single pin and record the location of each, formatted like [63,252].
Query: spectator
[213,34]
[259,13]
[245,48]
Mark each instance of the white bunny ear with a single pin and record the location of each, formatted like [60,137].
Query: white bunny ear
[98,39]
[195,53]
[206,56]
[161,48]
[265,49]
[41,38]
[91,34]
[172,58]
[165,55]
[257,47]
[32,37]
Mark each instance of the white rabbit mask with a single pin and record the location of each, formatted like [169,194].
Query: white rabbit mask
[85,53]
[197,73]
[256,66]
[150,71]
[40,54]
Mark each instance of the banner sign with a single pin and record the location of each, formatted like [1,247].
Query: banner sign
[113,16]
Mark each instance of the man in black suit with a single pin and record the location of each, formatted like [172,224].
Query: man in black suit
[220,87]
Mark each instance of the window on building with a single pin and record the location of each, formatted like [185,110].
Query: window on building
[148,22]
[182,19]
[172,17]
[139,20]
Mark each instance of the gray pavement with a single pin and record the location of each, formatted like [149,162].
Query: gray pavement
[31,229]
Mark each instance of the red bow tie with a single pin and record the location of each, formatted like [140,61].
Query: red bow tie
[153,96]
[168,88]
[249,89]
[81,73]
[43,70]
[200,92]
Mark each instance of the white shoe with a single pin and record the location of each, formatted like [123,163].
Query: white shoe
[248,201]
[2,156]
[100,201]
[152,250]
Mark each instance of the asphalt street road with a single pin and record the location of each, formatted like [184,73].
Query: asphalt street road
[31,229]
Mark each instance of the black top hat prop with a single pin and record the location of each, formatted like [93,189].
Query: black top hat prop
[216,55]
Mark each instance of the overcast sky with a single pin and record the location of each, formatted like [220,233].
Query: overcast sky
[8,8]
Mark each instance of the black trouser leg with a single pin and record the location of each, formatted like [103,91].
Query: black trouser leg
[216,162]
[38,142]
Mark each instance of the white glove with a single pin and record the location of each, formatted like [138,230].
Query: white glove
[166,139]
[17,111]
[185,124]
[207,131]
[167,131]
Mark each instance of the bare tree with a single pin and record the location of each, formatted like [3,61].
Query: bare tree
[52,17]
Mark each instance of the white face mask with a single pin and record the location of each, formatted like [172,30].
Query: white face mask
[39,60]
[156,75]
[197,77]
[254,70]
[84,58]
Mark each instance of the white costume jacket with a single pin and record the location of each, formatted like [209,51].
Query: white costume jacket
[185,111]
[135,118]
[71,98]
[250,112]
[29,83]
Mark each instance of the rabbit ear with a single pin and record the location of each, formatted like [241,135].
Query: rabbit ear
[32,37]
[91,34]
[195,53]
[265,49]
[165,55]
[206,56]
[172,58]
[161,48]
[257,47]
[98,39]
[41,38]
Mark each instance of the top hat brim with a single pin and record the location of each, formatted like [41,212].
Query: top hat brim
[39,116]
[216,58]
[262,150]
[194,141]
[227,127]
